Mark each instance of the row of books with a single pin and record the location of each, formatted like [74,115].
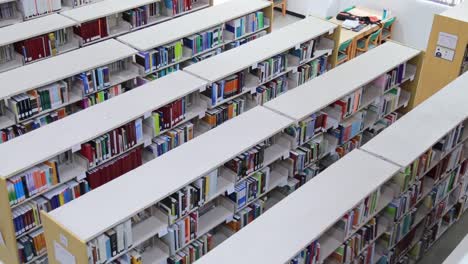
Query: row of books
[350,145]
[92,30]
[351,103]
[171,139]
[32,182]
[26,217]
[226,88]
[77,3]
[242,41]
[111,243]
[14,131]
[307,154]
[27,105]
[142,15]
[31,246]
[308,71]
[248,162]
[271,90]
[309,255]
[43,46]
[266,70]
[349,128]
[304,51]
[35,8]
[247,215]
[194,251]
[217,116]
[167,116]
[360,214]
[160,57]
[392,78]
[93,80]
[180,203]
[113,143]
[354,246]
[251,188]
[182,233]
[115,168]
[388,103]
[204,40]
[308,128]
[7,53]
[175,7]
[8,11]
[64,194]
[246,24]
[101,96]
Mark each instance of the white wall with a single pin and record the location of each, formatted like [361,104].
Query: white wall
[414,17]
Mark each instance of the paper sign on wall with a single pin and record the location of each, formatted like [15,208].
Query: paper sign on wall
[62,255]
[447,40]
[444,53]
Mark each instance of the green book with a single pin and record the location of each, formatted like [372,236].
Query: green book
[156,125]
[260,20]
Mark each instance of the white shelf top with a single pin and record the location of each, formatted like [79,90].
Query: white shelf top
[342,80]
[103,9]
[316,206]
[33,28]
[459,254]
[142,187]
[57,68]
[418,130]
[235,60]
[85,125]
[458,12]
[193,23]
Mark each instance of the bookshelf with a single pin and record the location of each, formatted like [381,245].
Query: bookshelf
[458,254]
[160,38]
[277,169]
[105,199]
[114,17]
[277,49]
[57,79]
[438,160]
[19,40]
[286,245]
[452,25]
[101,119]
[327,202]
[10,13]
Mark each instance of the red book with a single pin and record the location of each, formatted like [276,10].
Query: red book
[342,106]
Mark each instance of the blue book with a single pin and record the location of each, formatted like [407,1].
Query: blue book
[108,248]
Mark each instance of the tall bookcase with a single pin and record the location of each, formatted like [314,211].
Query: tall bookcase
[270,65]
[235,140]
[143,215]
[116,17]
[82,127]
[53,85]
[388,165]
[14,38]
[214,28]
[132,74]
[449,37]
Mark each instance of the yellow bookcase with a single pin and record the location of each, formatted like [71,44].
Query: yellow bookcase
[446,51]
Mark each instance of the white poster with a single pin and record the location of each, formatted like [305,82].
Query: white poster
[444,53]
[62,255]
[447,40]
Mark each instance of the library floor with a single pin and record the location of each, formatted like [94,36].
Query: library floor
[442,249]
